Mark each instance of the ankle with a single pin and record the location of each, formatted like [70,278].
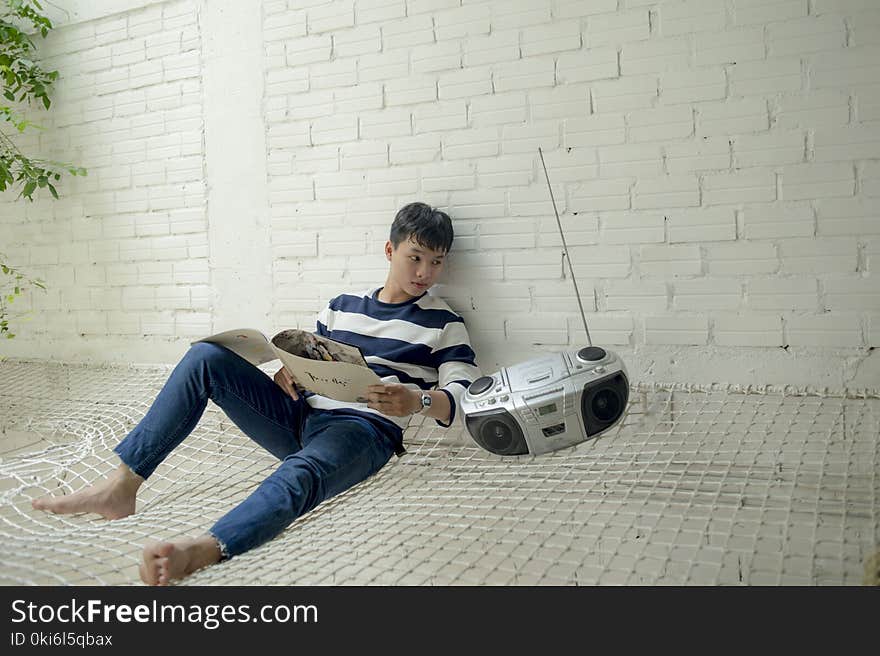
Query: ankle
[126,479]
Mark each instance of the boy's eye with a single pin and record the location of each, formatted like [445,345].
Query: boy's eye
[414,258]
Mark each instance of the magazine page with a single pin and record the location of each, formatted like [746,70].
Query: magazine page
[252,345]
[325,366]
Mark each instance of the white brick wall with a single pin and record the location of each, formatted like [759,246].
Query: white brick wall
[716,164]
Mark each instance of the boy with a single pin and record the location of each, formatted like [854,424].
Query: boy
[416,344]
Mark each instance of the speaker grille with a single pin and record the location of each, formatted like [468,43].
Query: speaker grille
[604,402]
[497,432]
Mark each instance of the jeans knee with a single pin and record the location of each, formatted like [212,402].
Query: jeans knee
[207,353]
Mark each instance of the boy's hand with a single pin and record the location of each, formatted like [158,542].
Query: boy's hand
[285,380]
[394,400]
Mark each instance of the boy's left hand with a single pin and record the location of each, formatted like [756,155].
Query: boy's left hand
[393,400]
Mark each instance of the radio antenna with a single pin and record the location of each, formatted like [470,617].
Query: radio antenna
[565,249]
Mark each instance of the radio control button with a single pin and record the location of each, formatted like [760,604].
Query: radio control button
[491,401]
[504,398]
[599,370]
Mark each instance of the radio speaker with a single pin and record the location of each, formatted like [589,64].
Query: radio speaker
[603,403]
[497,432]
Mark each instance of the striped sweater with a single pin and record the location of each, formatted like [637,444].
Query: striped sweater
[420,343]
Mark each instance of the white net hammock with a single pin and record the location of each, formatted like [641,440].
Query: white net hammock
[697,486]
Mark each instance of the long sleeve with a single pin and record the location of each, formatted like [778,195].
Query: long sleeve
[456,366]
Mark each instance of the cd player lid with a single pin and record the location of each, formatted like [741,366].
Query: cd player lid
[537,372]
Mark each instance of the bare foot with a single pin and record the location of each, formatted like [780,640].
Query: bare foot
[168,561]
[112,498]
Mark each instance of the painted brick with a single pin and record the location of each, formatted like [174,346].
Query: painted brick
[628,295]
[329,17]
[632,227]
[668,191]
[713,224]
[765,77]
[825,330]
[753,12]
[617,28]
[600,261]
[867,103]
[447,176]
[735,117]
[391,122]
[507,234]
[741,258]
[747,330]
[498,109]
[383,66]
[848,216]
[526,327]
[478,204]
[505,171]
[660,124]
[684,330]
[499,297]
[358,98]
[570,100]
[692,86]
[364,155]
[703,154]
[544,39]
[437,57]
[607,194]
[334,129]
[535,200]
[524,74]
[379,11]
[818,108]
[330,75]
[635,92]
[446,115]
[846,68]
[465,83]
[782,294]
[311,105]
[468,144]
[413,31]
[528,138]
[806,35]
[839,255]
[308,49]
[772,149]
[846,143]
[655,56]
[873,330]
[331,186]
[358,41]
[571,164]
[706,294]
[729,46]
[461,22]
[852,294]
[315,159]
[630,160]
[665,260]
[498,47]
[808,181]
[580,230]
[753,186]
[558,296]
[543,264]
[413,150]
[587,65]
[778,220]
[411,90]
[604,130]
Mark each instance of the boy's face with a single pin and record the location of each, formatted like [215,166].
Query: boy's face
[414,268]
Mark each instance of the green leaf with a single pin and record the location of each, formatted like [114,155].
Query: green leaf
[52,190]
[29,189]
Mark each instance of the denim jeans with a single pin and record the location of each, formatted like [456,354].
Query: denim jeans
[322,452]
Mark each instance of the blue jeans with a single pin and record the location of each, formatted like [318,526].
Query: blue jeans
[322,452]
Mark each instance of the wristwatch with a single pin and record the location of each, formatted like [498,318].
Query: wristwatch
[426,403]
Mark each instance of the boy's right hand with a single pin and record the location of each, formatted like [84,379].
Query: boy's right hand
[285,380]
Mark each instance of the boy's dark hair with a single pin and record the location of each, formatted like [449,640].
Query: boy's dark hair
[429,227]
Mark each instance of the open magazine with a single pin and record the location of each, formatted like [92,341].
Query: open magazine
[319,364]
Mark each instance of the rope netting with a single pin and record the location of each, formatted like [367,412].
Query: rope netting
[697,485]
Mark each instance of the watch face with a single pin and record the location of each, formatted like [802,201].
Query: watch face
[426,400]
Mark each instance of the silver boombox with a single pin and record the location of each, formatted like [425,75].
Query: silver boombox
[547,403]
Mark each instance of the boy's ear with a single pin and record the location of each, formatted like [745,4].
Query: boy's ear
[389,248]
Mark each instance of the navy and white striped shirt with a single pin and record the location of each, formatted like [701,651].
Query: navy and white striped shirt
[420,343]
